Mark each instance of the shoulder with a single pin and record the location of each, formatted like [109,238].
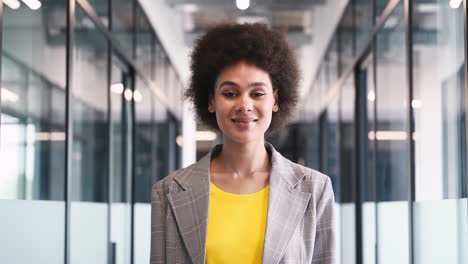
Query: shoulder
[312,181]
[165,184]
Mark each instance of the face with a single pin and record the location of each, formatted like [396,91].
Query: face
[244,102]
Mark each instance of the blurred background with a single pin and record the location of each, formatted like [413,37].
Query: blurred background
[92,115]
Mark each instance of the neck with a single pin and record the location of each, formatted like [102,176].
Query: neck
[244,159]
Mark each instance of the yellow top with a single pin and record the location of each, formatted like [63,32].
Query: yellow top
[236,226]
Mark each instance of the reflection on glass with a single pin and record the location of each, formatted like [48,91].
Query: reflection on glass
[32,133]
[331,61]
[347,170]
[145,135]
[392,148]
[309,144]
[89,160]
[308,131]
[32,136]
[346,37]
[368,175]
[347,160]
[331,157]
[100,7]
[123,24]
[364,22]
[440,135]
[159,65]
[391,110]
[380,6]
[121,161]
[145,41]
[438,102]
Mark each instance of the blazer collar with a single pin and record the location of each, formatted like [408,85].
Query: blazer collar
[289,174]
[286,205]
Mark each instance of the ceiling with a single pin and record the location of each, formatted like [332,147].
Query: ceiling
[291,17]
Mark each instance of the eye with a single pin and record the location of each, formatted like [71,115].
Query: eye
[229,94]
[258,94]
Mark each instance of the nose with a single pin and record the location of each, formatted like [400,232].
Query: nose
[244,104]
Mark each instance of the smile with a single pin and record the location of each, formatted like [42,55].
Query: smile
[244,122]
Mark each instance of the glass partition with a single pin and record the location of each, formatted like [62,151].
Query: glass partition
[392,175]
[123,24]
[363,17]
[32,134]
[440,133]
[145,41]
[120,160]
[90,155]
[347,169]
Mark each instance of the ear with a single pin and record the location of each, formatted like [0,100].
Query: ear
[275,105]
[211,104]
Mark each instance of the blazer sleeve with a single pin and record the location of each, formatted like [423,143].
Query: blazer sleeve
[158,226]
[325,240]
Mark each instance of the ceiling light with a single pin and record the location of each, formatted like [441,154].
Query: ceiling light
[180,141]
[190,8]
[137,96]
[455,3]
[128,94]
[391,22]
[427,7]
[8,95]
[13,4]
[50,136]
[416,103]
[371,96]
[117,88]
[242,4]
[252,19]
[33,4]
[387,135]
[205,136]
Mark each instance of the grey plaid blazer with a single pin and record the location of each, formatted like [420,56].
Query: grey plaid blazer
[300,222]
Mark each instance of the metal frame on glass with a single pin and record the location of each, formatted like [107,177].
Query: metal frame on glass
[111,246]
[69,121]
[465,13]
[410,123]
[1,48]
[360,124]
[133,180]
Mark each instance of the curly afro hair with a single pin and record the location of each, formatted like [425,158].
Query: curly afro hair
[227,44]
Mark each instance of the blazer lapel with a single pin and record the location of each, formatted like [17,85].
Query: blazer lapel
[190,207]
[286,206]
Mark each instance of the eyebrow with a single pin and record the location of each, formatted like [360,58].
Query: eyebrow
[254,84]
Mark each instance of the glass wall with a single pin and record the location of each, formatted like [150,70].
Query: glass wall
[89,162]
[392,174]
[440,133]
[123,24]
[368,191]
[120,180]
[32,131]
[32,134]
[388,213]
[145,43]
[346,174]
[364,10]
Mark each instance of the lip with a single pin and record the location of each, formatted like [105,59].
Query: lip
[244,122]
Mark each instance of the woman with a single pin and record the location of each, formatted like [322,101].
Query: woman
[243,202]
